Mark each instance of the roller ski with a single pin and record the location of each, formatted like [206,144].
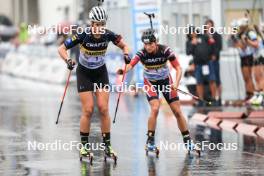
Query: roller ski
[193,148]
[256,100]
[151,147]
[109,153]
[85,155]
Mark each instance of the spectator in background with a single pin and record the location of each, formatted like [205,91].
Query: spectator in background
[215,38]
[202,50]
[23,33]
[190,80]
[21,36]
[246,52]
[255,40]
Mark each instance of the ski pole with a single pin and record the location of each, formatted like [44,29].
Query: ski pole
[193,96]
[119,94]
[67,84]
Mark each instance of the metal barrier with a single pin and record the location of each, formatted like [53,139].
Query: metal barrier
[35,66]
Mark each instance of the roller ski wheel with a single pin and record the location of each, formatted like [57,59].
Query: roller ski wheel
[90,158]
[198,152]
[86,155]
[152,148]
[109,153]
[193,148]
[113,156]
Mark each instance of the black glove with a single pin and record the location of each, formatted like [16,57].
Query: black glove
[127,58]
[70,64]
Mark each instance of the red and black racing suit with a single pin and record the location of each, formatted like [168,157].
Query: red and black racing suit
[156,72]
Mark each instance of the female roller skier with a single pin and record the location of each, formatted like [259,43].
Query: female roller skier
[92,70]
[157,78]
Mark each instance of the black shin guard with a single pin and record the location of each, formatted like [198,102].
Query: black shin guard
[84,138]
[106,139]
[151,136]
[186,137]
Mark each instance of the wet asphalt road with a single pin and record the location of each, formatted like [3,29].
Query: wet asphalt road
[28,111]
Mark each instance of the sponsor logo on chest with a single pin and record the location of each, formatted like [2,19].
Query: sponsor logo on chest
[155,60]
[97,45]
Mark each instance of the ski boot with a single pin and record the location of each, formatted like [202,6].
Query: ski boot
[109,153]
[252,99]
[85,153]
[258,101]
[151,147]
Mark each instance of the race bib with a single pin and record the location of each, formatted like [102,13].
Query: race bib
[156,74]
[205,70]
[91,62]
[155,70]
[95,59]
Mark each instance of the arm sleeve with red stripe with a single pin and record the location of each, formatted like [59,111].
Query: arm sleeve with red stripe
[136,59]
[175,63]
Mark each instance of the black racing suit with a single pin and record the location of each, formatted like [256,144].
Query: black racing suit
[91,66]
